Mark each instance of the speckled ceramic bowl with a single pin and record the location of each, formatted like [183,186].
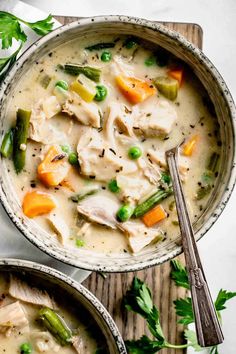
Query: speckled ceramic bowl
[49,278]
[225,109]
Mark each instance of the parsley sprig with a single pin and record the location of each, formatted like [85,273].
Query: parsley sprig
[10,28]
[139,300]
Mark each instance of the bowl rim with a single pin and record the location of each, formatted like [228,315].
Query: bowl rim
[23,265]
[188,46]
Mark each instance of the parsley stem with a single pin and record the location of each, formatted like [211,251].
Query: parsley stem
[180,346]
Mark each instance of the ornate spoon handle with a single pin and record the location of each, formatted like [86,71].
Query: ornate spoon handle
[208,329]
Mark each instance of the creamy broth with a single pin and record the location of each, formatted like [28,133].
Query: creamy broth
[193,118]
[34,332]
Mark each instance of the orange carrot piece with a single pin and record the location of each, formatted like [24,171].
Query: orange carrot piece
[37,203]
[54,168]
[190,146]
[177,74]
[154,215]
[135,90]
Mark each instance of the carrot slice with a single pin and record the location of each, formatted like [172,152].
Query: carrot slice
[54,168]
[177,74]
[37,203]
[154,215]
[190,145]
[135,90]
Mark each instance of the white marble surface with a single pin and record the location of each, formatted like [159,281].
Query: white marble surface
[217,18]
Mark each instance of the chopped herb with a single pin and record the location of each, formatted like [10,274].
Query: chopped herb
[113,186]
[45,81]
[150,61]
[100,46]
[130,42]
[79,242]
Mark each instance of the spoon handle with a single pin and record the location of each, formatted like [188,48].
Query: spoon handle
[208,329]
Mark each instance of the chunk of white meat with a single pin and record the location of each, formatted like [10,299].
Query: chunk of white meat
[99,209]
[13,316]
[132,188]
[118,66]
[60,227]
[51,106]
[139,236]
[98,159]
[158,157]
[78,344]
[86,113]
[150,171]
[44,342]
[20,290]
[156,117]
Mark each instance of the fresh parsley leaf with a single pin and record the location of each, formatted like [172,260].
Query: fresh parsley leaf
[8,62]
[184,309]
[41,27]
[154,325]
[10,28]
[143,345]
[214,350]
[165,178]
[179,274]
[222,298]
[191,338]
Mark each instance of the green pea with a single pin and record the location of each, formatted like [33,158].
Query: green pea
[113,186]
[130,43]
[66,148]
[26,348]
[134,152]
[106,56]
[62,84]
[150,61]
[101,93]
[73,158]
[125,212]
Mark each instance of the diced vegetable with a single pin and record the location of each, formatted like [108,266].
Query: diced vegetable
[124,213]
[213,163]
[130,42]
[148,204]
[37,203]
[165,178]
[88,71]
[154,216]
[55,325]
[45,81]
[150,61]
[66,148]
[106,56]
[190,145]
[113,186]
[167,86]
[134,152]
[62,84]
[79,242]
[135,90]
[26,348]
[73,158]
[20,139]
[203,191]
[78,197]
[99,46]
[84,87]
[177,74]
[54,167]
[101,93]
[7,143]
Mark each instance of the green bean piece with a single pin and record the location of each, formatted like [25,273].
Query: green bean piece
[148,204]
[25,348]
[20,139]
[124,213]
[113,186]
[106,56]
[165,178]
[203,191]
[134,153]
[213,163]
[78,197]
[7,143]
[55,325]
[99,46]
[75,69]
[62,84]
[101,93]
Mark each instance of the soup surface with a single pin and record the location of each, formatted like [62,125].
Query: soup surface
[33,321]
[93,172]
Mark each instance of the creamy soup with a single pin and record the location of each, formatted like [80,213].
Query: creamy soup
[89,145]
[32,320]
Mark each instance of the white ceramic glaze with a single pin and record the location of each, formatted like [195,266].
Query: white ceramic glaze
[225,110]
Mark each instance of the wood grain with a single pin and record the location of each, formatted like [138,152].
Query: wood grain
[111,290]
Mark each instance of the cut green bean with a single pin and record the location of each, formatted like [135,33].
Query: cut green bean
[78,197]
[99,46]
[55,325]
[213,162]
[148,204]
[7,143]
[20,139]
[88,71]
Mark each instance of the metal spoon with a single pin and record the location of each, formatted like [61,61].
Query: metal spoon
[208,329]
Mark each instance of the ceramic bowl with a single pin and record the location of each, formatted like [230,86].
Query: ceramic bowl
[224,107]
[49,278]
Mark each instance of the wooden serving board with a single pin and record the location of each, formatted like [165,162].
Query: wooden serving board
[111,290]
